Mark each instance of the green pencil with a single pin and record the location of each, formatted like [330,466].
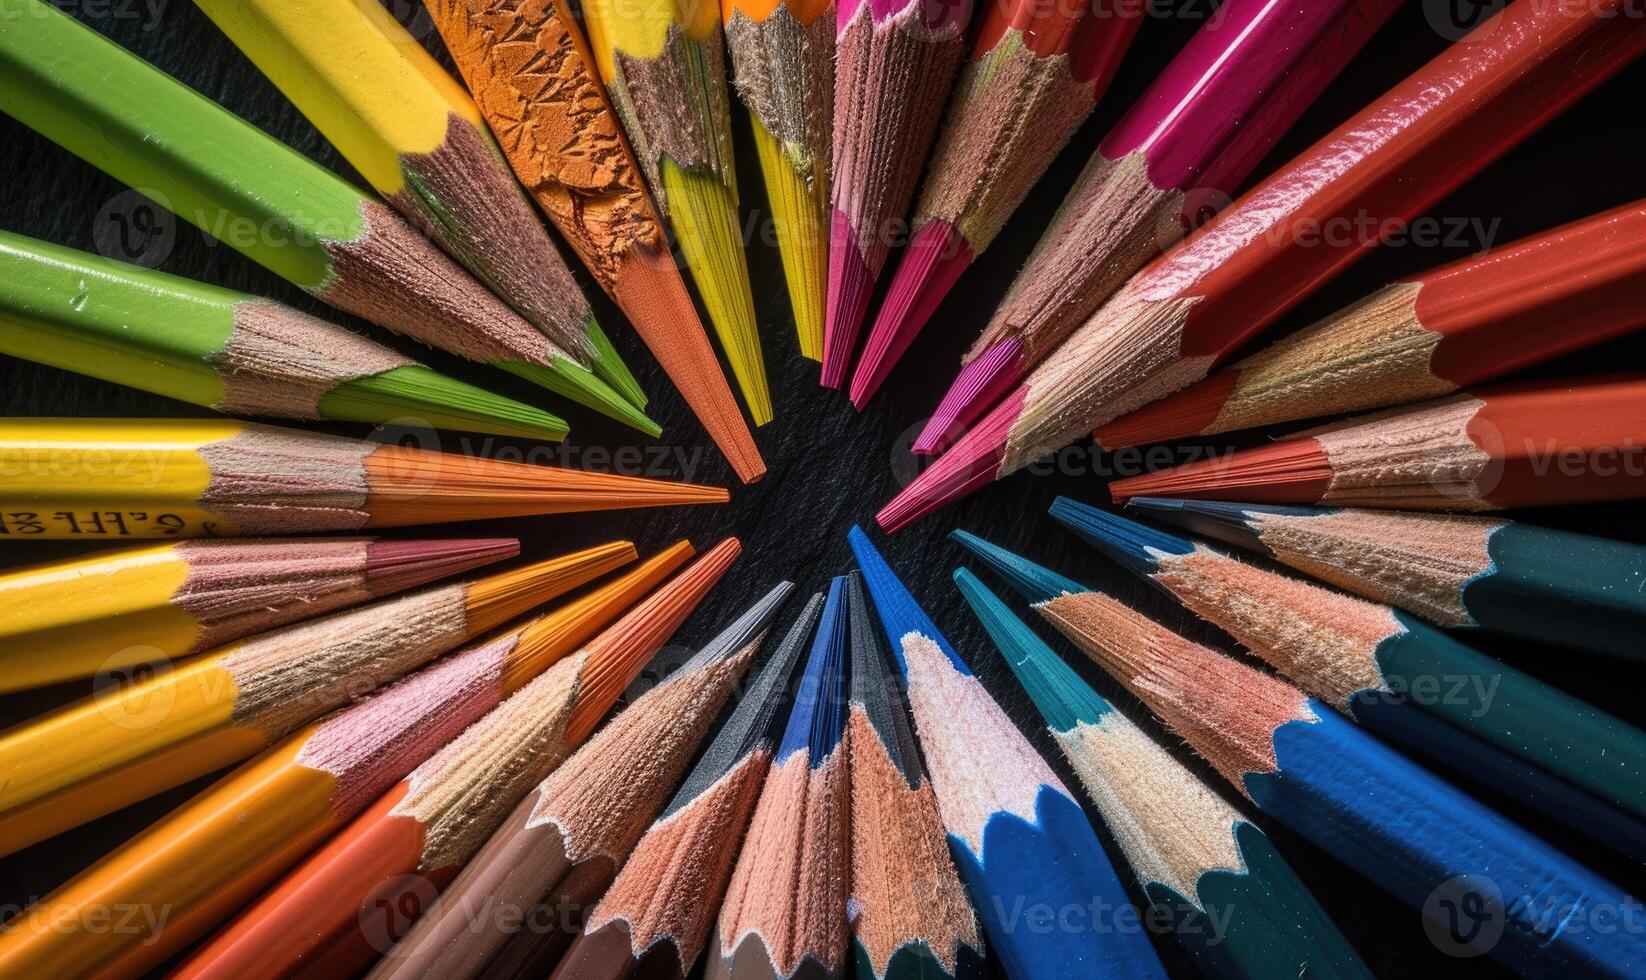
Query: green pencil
[225,350]
[1230,897]
[266,200]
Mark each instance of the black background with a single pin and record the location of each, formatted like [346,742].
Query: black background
[831,466]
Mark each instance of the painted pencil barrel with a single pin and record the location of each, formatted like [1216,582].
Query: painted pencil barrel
[1483,884]
[1565,588]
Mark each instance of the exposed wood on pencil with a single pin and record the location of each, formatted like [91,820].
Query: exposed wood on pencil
[213,854]
[325,916]
[114,610]
[783,66]
[1407,831]
[664,68]
[1455,571]
[784,912]
[1516,445]
[1017,834]
[1170,163]
[534,78]
[1440,700]
[412,131]
[149,478]
[1462,324]
[279,208]
[1034,75]
[1296,230]
[94,756]
[910,914]
[555,854]
[225,350]
[1229,896]
[657,917]
[893,66]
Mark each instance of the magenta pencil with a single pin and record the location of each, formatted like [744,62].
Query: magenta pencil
[1035,73]
[894,60]
[1171,161]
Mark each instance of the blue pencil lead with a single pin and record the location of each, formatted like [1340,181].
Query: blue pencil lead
[1035,583]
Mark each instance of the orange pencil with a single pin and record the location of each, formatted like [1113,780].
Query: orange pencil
[532,73]
[207,858]
[344,905]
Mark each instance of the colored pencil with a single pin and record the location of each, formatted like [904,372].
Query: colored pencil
[191,478]
[216,852]
[121,609]
[1405,680]
[1512,445]
[893,65]
[1017,834]
[655,919]
[1455,571]
[412,131]
[1230,897]
[1464,323]
[1507,893]
[557,852]
[225,350]
[1188,144]
[1293,232]
[266,200]
[783,66]
[350,900]
[784,912]
[665,72]
[533,76]
[910,916]
[126,744]
[1035,73]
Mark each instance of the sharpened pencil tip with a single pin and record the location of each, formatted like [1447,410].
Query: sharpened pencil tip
[971,465]
[932,264]
[851,282]
[1136,546]
[609,367]
[578,383]
[413,392]
[1034,582]
[981,384]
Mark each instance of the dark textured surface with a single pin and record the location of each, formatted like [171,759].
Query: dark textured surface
[829,465]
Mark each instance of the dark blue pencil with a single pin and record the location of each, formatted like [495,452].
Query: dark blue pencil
[1047,894]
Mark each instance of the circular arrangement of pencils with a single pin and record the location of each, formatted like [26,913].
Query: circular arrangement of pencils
[340,657]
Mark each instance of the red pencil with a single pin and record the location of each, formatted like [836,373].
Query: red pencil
[1427,336]
[1520,445]
[1170,325]
[1035,74]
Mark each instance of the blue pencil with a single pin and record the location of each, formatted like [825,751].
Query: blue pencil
[1047,894]
[1483,884]
[784,915]
[1231,899]
[1407,681]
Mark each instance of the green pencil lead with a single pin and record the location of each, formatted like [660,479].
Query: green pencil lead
[415,392]
[563,377]
[610,367]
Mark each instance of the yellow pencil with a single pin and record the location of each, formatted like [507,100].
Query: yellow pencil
[416,136]
[102,753]
[662,64]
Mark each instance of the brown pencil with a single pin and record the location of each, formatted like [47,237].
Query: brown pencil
[533,75]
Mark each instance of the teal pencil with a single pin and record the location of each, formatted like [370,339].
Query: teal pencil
[1232,900]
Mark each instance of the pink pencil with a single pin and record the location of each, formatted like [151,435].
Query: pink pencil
[894,60]
[1171,162]
[1035,73]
